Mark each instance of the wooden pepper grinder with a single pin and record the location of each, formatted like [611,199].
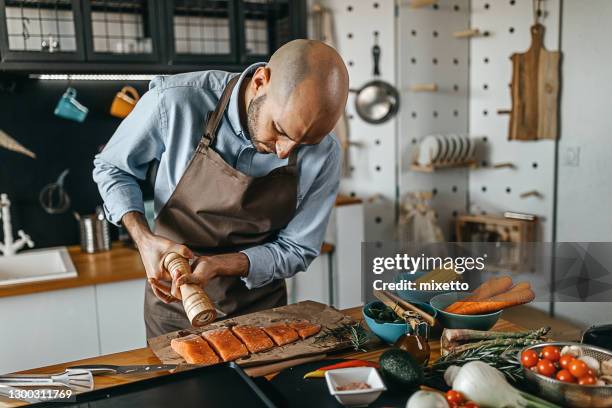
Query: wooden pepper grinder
[198,307]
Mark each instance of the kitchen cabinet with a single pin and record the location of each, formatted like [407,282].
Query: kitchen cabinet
[41,30]
[70,324]
[48,328]
[144,36]
[121,31]
[200,31]
[120,307]
[265,25]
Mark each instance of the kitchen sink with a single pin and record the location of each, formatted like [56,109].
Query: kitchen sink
[36,265]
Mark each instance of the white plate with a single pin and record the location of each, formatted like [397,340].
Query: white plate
[460,148]
[452,147]
[429,150]
[472,149]
[444,145]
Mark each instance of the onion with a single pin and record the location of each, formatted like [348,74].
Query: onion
[427,399]
[575,351]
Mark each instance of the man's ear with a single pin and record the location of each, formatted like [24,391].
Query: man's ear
[261,78]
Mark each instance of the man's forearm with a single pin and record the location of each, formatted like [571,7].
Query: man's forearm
[137,226]
[233,264]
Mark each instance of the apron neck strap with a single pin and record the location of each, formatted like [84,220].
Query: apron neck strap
[213,119]
[293,157]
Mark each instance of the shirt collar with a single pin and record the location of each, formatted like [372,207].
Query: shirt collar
[233,110]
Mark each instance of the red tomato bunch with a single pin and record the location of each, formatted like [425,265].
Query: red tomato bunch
[456,399]
[551,363]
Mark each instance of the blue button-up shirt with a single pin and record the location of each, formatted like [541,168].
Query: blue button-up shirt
[167,124]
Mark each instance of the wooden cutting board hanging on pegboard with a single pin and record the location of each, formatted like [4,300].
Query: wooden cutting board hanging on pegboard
[535,91]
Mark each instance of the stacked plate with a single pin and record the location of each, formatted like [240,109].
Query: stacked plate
[445,149]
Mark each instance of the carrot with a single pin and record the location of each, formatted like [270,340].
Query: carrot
[490,288]
[495,303]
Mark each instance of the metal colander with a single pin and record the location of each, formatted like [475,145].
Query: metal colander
[570,394]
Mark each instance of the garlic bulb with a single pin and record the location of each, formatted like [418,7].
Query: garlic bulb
[575,351]
[591,362]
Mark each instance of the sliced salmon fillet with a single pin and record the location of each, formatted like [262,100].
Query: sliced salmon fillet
[281,334]
[305,328]
[226,344]
[195,350]
[254,338]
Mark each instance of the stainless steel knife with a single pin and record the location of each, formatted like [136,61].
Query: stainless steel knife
[102,369]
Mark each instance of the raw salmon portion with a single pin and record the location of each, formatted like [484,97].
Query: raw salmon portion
[254,338]
[281,334]
[305,328]
[226,344]
[194,349]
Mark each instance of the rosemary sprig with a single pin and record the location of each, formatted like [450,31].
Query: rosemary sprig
[346,332]
[494,355]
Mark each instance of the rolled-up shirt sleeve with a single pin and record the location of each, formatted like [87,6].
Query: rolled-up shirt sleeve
[295,246]
[126,157]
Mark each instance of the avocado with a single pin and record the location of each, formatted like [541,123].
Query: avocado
[400,370]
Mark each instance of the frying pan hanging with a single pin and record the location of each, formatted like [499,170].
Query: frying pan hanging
[377,101]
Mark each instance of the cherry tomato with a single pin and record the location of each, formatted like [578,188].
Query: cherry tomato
[546,367]
[470,404]
[565,360]
[565,376]
[591,372]
[551,353]
[578,368]
[587,380]
[529,358]
[454,397]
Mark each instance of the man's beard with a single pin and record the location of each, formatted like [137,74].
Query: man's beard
[253,116]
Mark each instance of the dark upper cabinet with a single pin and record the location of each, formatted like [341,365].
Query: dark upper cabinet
[200,31]
[126,30]
[265,25]
[44,30]
[144,35]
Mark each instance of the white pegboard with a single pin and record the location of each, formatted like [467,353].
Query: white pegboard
[373,150]
[492,190]
[428,53]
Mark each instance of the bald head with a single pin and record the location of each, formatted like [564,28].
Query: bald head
[298,96]
[311,71]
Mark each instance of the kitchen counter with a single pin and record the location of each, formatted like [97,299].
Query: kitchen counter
[146,356]
[121,263]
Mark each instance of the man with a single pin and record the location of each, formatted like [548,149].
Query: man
[247,178]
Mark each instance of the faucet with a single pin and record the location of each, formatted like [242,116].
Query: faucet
[10,247]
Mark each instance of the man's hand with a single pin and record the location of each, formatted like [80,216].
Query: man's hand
[206,268]
[152,250]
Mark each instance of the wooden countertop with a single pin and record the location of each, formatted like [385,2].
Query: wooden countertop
[146,356]
[119,264]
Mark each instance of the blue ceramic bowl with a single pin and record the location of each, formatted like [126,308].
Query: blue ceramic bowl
[389,332]
[457,321]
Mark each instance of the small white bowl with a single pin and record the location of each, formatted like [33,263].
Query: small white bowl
[355,398]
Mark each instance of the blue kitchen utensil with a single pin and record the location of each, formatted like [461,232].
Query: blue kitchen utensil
[69,108]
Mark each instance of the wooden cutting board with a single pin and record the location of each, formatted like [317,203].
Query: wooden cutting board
[326,316]
[535,91]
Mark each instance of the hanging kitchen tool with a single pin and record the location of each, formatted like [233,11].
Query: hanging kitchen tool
[124,102]
[535,88]
[377,101]
[9,143]
[53,198]
[76,380]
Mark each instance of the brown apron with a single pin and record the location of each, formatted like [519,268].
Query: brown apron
[217,209]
